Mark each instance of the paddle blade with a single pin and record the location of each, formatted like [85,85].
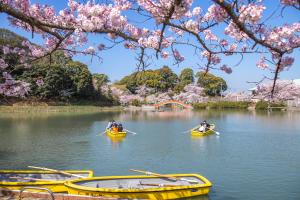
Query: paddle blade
[191,129]
[217,133]
[100,134]
[133,133]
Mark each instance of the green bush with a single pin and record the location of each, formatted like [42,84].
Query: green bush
[136,102]
[231,104]
[199,106]
[263,105]
[222,105]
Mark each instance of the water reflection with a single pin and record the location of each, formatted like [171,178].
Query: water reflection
[150,115]
[198,143]
[116,141]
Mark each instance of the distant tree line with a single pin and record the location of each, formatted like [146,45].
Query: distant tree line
[164,79]
[59,78]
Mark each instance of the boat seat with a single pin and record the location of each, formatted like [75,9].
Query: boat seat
[133,184]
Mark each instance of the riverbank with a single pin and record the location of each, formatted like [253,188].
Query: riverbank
[243,105]
[57,109]
[226,105]
[222,105]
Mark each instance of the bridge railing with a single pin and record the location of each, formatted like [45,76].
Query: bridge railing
[172,102]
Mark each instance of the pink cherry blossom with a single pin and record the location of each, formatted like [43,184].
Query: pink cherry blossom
[3,65]
[233,31]
[40,82]
[226,69]
[6,50]
[224,42]
[160,9]
[11,87]
[262,63]
[164,54]
[286,62]
[216,13]
[101,47]
[192,25]
[233,47]
[251,13]
[209,35]
[178,57]
[213,58]
[196,11]
[90,50]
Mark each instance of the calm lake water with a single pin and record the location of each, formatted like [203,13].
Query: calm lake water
[256,156]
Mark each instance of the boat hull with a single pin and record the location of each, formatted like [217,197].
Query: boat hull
[115,134]
[54,185]
[195,132]
[147,192]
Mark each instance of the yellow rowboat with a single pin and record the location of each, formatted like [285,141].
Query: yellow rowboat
[115,134]
[16,179]
[195,132]
[141,187]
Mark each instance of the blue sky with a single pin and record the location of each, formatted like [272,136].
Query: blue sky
[119,62]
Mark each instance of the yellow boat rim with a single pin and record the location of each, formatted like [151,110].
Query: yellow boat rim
[115,134]
[153,187]
[16,179]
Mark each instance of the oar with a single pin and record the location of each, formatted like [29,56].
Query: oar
[216,132]
[102,133]
[191,129]
[164,176]
[57,171]
[31,179]
[158,185]
[134,133]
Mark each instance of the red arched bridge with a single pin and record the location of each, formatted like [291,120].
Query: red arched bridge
[174,102]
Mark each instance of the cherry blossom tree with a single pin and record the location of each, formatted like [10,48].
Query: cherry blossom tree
[125,97]
[174,23]
[284,90]
[238,96]
[158,97]
[191,94]
[144,91]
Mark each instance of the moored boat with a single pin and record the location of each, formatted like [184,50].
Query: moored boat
[115,134]
[141,187]
[196,132]
[16,179]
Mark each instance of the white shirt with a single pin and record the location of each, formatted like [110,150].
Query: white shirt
[201,128]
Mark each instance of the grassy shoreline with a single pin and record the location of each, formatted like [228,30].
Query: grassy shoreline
[57,109]
[222,105]
[44,108]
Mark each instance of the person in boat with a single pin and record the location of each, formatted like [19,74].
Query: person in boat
[120,127]
[110,124]
[204,126]
[115,127]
